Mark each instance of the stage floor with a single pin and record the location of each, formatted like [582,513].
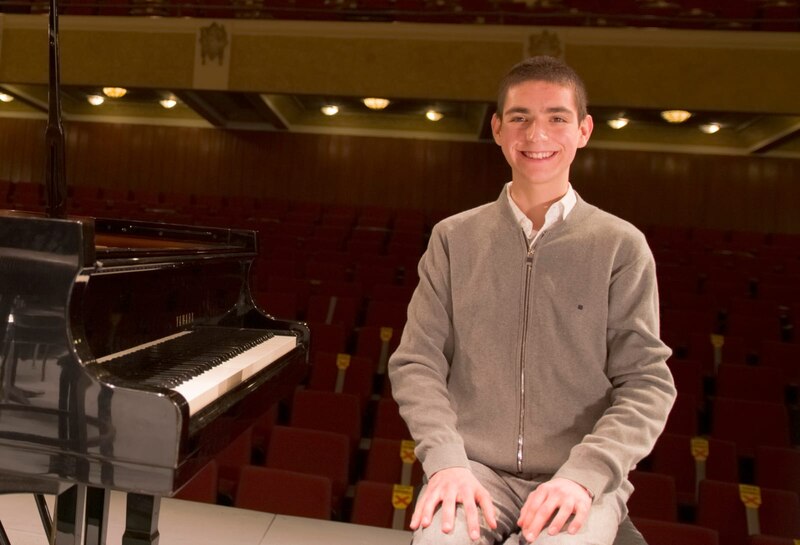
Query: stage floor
[189,523]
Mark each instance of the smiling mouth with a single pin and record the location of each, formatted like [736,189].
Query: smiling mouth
[538,154]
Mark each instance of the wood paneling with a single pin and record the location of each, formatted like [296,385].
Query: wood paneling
[740,193]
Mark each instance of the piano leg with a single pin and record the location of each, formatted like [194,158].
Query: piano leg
[141,521]
[81,513]
[3,536]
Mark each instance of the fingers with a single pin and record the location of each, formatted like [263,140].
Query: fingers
[558,500]
[445,490]
[487,507]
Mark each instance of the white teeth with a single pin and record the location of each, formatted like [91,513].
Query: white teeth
[538,155]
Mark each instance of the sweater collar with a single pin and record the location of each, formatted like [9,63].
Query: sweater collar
[580,210]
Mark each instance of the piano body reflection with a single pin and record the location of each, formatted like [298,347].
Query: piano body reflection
[150,357]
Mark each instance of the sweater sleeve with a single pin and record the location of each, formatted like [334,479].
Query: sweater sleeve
[642,390]
[419,368]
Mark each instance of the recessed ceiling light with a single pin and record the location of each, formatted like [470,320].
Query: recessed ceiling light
[6,98]
[617,123]
[710,128]
[95,100]
[168,102]
[376,103]
[115,92]
[330,109]
[676,116]
[433,115]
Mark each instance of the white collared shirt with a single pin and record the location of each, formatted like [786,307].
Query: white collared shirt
[557,212]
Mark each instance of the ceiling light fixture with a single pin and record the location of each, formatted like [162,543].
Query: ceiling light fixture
[6,98]
[618,122]
[433,115]
[710,128]
[95,100]
[330,109]
[115,92]
[676,116]
[375,103]
[168,102]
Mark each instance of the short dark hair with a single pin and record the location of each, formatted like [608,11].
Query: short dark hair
[544,68]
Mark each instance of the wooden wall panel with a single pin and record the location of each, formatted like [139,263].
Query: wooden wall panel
[648,188]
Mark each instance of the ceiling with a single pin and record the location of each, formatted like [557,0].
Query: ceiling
[740,133]
[758,131]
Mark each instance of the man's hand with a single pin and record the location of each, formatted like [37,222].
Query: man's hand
[558,496]
[450,487]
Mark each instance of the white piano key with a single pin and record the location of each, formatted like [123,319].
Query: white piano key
[203,389]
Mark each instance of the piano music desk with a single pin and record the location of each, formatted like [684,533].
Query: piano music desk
[190,523]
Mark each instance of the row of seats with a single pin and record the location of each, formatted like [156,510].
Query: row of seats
[729,301]
[289,217]
[738,15]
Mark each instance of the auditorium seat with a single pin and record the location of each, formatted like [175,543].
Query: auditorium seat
[750,424]
[327,337]
[672,455]
[285,492]
[376,272]
[328,411]
[653,497]
[318,270]
[388,422]
[778,468]
[386,314]
[684,416]
[784,356]
[720,508]
[357,375]
[660,532]
[408,220]
[390,292]
[688,377]
[278,304]
[377,343]
[202,487]
[313,452]
[750,382]
[731,350]
[332,309]
[771,540]
[27,196]
[385,463]
[373,505]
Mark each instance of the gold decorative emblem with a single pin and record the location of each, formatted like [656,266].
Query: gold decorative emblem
[545,43]
[213,41]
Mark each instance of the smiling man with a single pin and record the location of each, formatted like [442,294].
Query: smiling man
[530,371]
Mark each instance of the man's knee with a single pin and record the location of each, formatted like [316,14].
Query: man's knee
[433,534]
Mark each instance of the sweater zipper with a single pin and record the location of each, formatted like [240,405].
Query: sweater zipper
[526,305]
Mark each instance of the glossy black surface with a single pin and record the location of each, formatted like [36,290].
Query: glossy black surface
[73,291]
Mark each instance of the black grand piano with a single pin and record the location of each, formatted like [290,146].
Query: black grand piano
[151,357]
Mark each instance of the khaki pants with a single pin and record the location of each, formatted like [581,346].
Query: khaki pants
[509,493]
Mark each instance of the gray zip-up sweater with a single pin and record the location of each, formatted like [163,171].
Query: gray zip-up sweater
[542,361]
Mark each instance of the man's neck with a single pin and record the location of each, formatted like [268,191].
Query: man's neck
[535,200]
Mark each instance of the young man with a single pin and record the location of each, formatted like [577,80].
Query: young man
[530,371]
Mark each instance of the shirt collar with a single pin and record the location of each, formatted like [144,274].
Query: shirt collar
[557,212]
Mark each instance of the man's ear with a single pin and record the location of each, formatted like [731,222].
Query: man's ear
[585,129]
[496,124]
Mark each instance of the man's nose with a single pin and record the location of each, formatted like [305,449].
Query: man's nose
[536,133]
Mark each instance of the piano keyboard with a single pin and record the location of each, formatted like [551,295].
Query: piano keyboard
[201,365]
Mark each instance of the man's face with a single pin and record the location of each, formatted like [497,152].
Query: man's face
[539,131]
